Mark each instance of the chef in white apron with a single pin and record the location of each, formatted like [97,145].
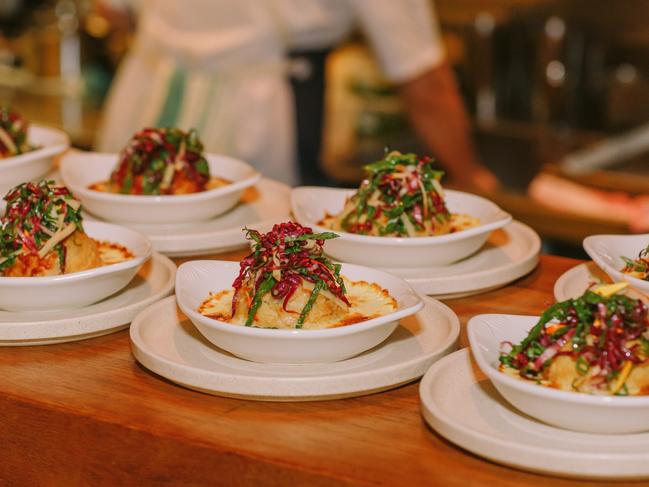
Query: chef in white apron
[220,66]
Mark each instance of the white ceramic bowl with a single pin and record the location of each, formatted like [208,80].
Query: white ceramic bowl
[33,164]
[310,204]
[569,410]
[81,169]
[606,251]
[196,279]
[78,289]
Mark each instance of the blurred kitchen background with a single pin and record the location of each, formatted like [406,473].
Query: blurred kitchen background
[558,88]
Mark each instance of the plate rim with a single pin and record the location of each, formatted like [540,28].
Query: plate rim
[569,274]
[517,269]
[131,309]
[143,354]
[564,278]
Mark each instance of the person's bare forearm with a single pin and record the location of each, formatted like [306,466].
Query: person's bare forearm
[437,114]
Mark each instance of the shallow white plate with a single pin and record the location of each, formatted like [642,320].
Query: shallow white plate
[81,169]
[197,279]
[261,207]
[154,281]
[33,164]
[574,282]
[310,204]
[606,251]
[78,289]
[462,405]
[565,409]
[510,253]
[167,343]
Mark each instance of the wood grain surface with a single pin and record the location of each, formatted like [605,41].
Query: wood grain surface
[86,413]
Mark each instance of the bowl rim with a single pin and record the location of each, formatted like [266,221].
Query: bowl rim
[39,281]
[502,218]
[42,152]
[294,334]
[547,393]
[146,199]
[588,245]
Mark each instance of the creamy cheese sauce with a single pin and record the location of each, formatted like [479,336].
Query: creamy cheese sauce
[457,223]
[368,301]
[214,182]
[113,253]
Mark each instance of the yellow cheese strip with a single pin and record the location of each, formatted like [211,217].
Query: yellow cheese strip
[610,289]
[621,379]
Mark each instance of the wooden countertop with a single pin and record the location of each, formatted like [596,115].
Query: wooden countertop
[86,413]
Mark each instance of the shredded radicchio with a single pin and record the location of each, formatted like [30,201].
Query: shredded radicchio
[279,263]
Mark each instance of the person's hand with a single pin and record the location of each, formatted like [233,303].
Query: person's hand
[568,196]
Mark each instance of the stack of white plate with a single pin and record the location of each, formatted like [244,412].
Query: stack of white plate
[79,305]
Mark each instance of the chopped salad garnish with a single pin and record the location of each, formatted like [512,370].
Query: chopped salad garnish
[401,197]
[13,133]
[282,260]
[39,216]
[638,267]
[606,338]
[161,161]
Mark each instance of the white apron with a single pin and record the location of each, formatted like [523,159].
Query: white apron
[221,70]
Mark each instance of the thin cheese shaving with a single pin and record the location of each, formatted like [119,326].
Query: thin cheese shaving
[410,229]
[59,236]
[6,140]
